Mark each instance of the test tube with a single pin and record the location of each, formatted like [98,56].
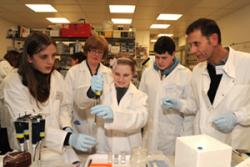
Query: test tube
[97,100]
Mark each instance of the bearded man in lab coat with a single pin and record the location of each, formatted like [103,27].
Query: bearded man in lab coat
[171,106]
[221,85]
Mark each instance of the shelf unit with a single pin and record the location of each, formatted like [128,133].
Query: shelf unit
[124,44]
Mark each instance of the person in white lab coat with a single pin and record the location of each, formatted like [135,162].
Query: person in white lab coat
[81,80]
[171,106]
[8,64]
[122,113]
[221,85]
[36,88]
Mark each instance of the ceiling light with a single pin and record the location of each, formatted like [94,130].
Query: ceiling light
[160,26]
[41,7]
[57,20]
[122,8]
[153,40]
[169,16]
[122,21]
[169,35]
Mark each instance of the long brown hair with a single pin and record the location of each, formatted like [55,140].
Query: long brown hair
[37,83]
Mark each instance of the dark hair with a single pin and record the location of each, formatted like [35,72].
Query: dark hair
[164,44]
[37,83]
[79,56]
[96,42]
[125,60]
[206,26]
[13,57]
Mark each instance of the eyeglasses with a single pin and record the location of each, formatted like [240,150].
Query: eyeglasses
[96,51]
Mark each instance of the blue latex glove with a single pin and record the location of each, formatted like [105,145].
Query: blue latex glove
[171,103]
[97,83]
[103,111]
[226,122]
[69,130]
[158,163]
[81,141]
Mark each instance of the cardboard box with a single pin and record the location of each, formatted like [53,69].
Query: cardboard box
[116,34]
[108,34]
[76,30]
[201,151]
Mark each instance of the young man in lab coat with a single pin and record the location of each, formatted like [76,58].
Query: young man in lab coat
[171,106]
[221,86]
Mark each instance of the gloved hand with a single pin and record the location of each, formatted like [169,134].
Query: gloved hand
[226,122]
[97,83]
[69,130]
[103,111]
[81,141]
[169,103]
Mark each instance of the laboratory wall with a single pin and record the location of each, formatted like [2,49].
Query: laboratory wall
[4,43]
[235,29]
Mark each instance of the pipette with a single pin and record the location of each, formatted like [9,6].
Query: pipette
[26,133]
[42,135]
[20,133]
[35,136]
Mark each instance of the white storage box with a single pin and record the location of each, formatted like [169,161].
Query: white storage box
[201,151]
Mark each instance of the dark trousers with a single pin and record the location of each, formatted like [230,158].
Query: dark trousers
[4,142]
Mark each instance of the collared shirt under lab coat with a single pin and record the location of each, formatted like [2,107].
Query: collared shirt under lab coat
[163,127]
[130,115]
[233,95]
[78,82]
[19,102]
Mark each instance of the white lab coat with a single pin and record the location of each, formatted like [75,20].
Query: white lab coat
[233,95]
[78,82]
[5,68]
[19,102]
[164,126]
[130,116]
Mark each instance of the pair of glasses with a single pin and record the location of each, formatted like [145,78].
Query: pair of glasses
[96,51]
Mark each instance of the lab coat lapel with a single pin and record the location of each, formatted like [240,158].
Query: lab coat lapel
[125,101]
[227,81]
[205,85]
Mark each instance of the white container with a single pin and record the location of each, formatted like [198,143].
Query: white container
[201,151]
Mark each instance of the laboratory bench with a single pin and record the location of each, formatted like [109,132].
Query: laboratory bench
[87,160]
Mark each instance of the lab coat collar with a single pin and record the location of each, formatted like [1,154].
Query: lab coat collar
[84,67]
[229,67]
[131,89]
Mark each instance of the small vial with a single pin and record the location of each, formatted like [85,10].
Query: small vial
[123,158]
[116,159]
[110,157]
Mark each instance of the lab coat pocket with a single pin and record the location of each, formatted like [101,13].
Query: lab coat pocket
[239,96]
[173,91]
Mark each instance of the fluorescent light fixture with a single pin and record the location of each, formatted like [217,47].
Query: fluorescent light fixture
[153,40]
[121,21]
[169,16]
[159,26]
[122,8]
[169,35]
[41,7]
[58,20]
